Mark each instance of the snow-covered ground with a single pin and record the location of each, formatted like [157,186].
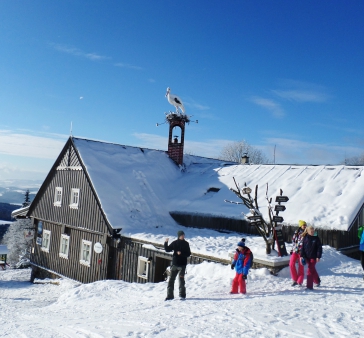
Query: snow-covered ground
[271,308]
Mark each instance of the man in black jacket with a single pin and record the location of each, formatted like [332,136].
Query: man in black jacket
[181,250]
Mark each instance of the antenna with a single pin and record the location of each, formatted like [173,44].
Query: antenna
[71,130]
[274,155]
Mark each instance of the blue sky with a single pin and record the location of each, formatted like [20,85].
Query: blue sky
[284,73]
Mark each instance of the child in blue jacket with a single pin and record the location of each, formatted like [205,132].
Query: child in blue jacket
[361,245]
[241,263]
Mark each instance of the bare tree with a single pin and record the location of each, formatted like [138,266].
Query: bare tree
[265,228]
[234,151]
[355,160]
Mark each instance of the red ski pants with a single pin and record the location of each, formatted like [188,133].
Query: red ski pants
[238,282]
[312,275]
[296,276]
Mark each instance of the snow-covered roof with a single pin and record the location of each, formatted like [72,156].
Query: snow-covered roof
[20,212]
[138,187]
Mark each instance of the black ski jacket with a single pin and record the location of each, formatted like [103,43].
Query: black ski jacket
[178,245]
[311,247]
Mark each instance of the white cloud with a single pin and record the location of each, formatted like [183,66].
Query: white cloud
[274,107]
[127,65]
[293,151]
[11,171]
[195,105]
[301,91]
[21,144]
[301,95]
[78,52]
[288,150]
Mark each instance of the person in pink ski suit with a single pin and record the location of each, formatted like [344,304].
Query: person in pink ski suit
[297,276]
[311,252]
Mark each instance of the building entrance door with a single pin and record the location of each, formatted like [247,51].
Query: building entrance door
[161,265]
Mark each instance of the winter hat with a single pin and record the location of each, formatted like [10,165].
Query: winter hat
[241,244]
[180,233]
[302,223]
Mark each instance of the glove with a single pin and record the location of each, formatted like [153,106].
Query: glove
[291,252]
[232,266]
[245,277]
[237,250]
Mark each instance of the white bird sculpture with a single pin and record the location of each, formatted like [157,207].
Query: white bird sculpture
[174,100]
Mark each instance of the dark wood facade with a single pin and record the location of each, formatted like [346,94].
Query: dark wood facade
[120,256]
[126,254]
[86,222]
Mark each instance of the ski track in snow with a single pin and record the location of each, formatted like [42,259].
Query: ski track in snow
[271,308]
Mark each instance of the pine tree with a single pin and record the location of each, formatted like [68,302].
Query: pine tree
[15,241]
[26,199]
[14,238]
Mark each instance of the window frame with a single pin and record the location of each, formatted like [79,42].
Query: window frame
[84,242]
[57,203]
[46,239]
[143,263]
[62,254]
[73,192]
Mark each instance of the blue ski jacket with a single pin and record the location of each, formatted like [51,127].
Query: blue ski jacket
[361,237]
[242,260]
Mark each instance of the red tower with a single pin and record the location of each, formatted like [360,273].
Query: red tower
[177,123]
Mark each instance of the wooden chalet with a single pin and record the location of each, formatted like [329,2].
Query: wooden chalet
[74,237]
[101,203]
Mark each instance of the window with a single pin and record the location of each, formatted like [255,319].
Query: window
[58,197]
[46,240]
[143,267]
[65,244]
[75,198]
[85,252]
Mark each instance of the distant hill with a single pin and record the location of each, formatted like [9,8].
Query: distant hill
[3,229]
[14,195]
[6,209]
[12,191]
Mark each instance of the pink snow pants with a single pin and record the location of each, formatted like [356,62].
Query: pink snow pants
[238,281]
[296,276]
[312,275]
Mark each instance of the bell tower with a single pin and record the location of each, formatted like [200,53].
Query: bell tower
[177,122]
[176,138]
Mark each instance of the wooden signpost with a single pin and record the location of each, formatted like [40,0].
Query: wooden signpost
[277,229]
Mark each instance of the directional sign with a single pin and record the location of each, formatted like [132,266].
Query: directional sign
[256,223]
[279,207]
[253,218]
[282,199]
[281,246]
[277,219]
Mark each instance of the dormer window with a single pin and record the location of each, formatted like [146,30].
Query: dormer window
[75,198]
[58,197]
